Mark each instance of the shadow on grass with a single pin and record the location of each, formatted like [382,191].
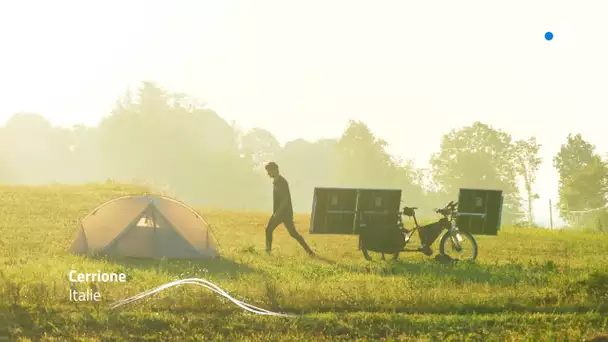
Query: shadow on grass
[456,272]
[219,266]
[325,260]
[463,272]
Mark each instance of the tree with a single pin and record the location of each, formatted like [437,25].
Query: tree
[363,162]
[478,156]
[153,100]
[308,165]
[528,162]
[362,158]
[85,159]
[574,155]
[162,140]
[583,183]
[259,146]
[28,145]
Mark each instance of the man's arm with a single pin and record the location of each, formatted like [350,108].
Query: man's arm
[284,199]
[281,208]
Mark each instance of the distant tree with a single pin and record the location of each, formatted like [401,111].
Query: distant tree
[478,156]
[259,146]
[583,183]
[156,138]
[33,151]
[362,161]
[85,159]
[362,158]
[29,146]
[308,165]
[585,188]
[153,100]
[573,155]
[411,181]
[528,162]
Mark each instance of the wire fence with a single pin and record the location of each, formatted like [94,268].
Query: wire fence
[595,219]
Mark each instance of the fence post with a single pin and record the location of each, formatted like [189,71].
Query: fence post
[551,213]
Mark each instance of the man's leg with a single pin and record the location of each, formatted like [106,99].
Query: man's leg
[273,223]
[291,228]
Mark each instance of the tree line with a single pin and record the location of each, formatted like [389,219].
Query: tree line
[173,143]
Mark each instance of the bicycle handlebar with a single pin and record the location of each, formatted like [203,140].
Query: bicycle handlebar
[447,211]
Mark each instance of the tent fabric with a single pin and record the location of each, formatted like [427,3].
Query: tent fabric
[152,227]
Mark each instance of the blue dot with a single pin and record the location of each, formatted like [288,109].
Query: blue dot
[548,36]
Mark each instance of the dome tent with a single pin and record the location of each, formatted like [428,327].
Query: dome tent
[146,226]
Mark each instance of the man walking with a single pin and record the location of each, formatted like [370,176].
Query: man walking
[282,209]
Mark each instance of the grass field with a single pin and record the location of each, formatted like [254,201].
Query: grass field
[527,285]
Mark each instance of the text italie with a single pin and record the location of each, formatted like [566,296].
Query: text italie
[89,295]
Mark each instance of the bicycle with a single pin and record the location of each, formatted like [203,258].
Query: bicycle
[394,239]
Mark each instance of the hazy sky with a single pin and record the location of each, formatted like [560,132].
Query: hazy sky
[411,70]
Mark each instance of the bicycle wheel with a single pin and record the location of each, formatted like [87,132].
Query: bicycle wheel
[373,245]
[367,256]
[458,245]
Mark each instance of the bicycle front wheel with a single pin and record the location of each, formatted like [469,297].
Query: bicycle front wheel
[458,245]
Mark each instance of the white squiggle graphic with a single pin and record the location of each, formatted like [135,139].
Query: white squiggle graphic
[206,284]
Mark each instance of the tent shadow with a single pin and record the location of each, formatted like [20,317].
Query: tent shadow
[184,268]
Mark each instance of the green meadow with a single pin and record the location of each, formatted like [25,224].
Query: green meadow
[527,284]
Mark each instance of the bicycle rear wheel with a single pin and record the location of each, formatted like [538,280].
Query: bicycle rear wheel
[368,256]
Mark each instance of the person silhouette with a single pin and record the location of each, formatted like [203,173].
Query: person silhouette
[282,209]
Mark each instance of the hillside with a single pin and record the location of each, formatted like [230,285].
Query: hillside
[527,284]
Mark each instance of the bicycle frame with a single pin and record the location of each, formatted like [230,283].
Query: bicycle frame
[409,233]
